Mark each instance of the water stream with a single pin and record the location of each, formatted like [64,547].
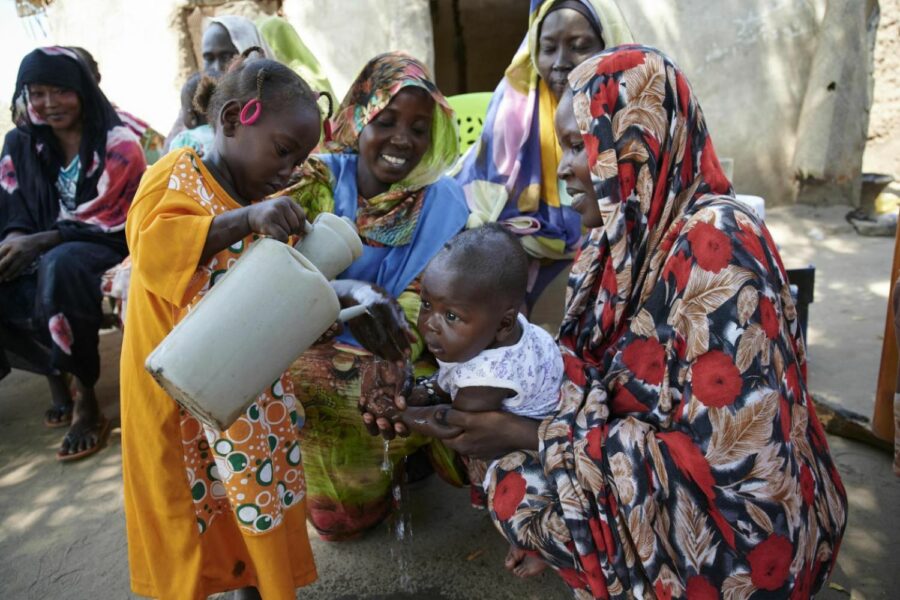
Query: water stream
[386,465]
[400,528]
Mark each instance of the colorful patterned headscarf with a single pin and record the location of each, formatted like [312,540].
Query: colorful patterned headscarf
[686,456]
[380,80]
[657,160]
[510,174]
[390,218]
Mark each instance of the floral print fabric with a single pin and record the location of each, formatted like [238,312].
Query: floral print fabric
[686,459]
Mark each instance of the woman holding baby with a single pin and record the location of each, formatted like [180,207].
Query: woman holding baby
[684,457]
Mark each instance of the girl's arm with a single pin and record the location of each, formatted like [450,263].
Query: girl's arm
[278,218]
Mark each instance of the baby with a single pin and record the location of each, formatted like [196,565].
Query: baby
[490,356]
[198,134]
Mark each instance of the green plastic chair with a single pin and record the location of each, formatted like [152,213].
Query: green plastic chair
[471,109]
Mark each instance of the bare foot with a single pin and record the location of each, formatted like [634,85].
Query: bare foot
[60,412]
[530,566]
[523,563]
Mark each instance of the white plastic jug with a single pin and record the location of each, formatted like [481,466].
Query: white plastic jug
[260,316]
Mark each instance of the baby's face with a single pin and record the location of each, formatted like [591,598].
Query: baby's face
[457,323]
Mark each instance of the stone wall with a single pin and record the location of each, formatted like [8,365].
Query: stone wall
[883,145]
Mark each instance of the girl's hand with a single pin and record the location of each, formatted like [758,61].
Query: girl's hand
[383,331]
[277,218]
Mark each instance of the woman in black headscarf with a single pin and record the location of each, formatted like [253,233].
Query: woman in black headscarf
[68,172]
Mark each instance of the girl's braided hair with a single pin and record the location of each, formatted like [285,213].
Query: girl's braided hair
[272,83]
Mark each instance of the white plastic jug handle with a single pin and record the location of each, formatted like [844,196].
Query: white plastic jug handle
[351,312]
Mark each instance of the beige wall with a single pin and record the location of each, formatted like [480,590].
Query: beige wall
[883,147]
[748,62]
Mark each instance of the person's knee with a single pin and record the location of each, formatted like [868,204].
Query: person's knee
[71,265]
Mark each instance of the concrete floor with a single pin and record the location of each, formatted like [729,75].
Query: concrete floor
[62,528]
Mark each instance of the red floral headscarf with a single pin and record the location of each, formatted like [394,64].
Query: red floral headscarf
[657,161]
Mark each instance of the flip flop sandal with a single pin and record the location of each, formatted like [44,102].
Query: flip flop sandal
[64,414]
[102,432]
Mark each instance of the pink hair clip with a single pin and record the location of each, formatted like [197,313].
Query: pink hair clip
[251,111]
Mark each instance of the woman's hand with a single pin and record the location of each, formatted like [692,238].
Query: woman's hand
[383,330]
[380,385]
[17,252]
[489,435]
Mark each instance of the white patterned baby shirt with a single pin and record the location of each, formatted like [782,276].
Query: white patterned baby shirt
[532,368]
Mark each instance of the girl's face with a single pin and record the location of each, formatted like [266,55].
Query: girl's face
[262,156]
[573,168]
[59,107]
[393,143]
[566,41]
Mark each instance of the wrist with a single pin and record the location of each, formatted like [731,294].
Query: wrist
[46,240]
[245,227]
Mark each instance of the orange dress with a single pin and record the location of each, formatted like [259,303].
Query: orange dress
[206,511]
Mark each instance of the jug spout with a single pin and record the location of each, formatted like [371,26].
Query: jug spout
[351,312]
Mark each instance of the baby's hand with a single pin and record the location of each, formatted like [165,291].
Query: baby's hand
[422,394]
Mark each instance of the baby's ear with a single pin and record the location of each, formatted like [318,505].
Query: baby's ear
[507,325]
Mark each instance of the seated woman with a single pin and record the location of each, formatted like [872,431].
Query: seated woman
[686,456]
[510,175]
[394,136]
[67,176]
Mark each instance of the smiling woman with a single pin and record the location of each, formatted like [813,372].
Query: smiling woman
[68,172]
[394,136]
[685,458]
